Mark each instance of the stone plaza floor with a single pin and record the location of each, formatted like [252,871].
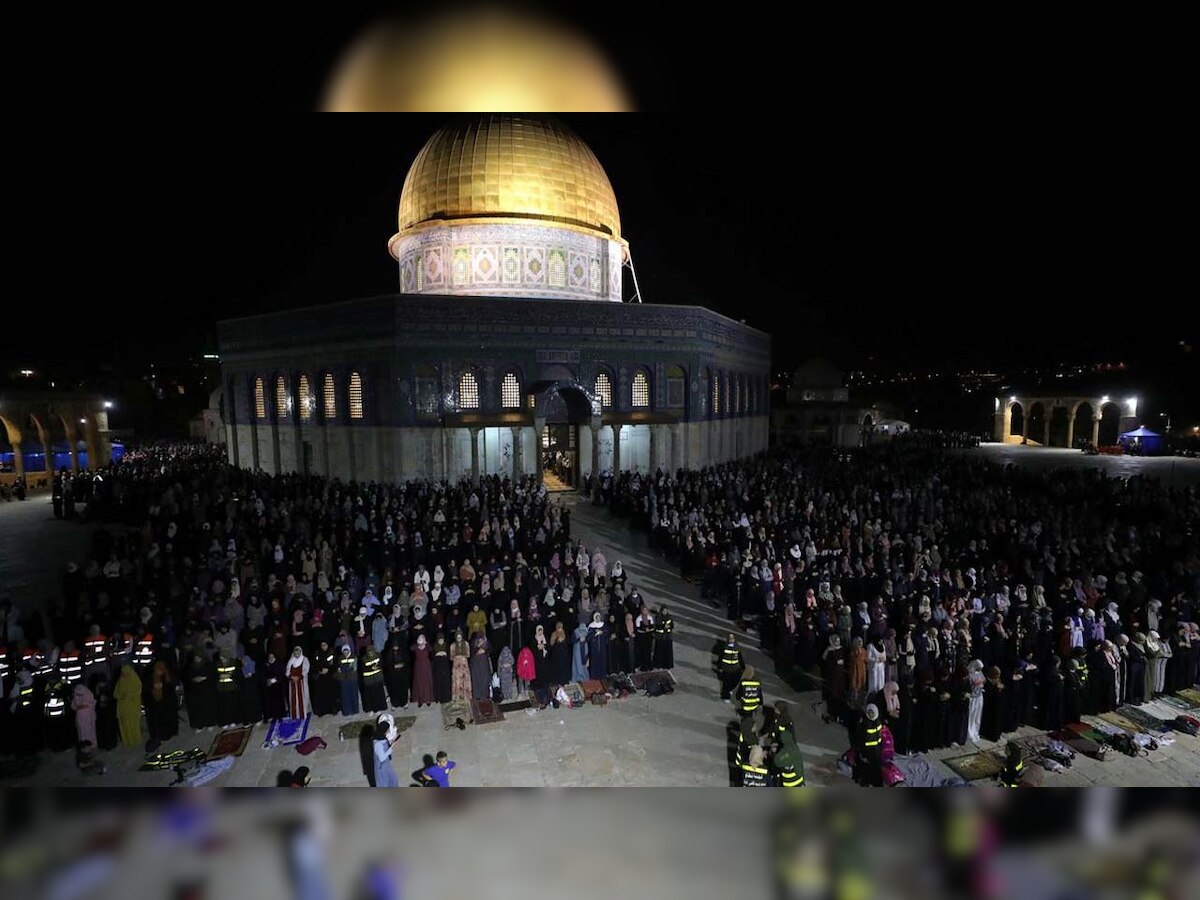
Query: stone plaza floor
[676,740]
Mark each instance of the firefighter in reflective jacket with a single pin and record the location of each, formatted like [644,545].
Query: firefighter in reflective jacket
[120,650]
[1014,767]
[374,698]
[229,687]
[789,764]
[730,667]
[95,654]
[45,661]
[754,770]
[143,655]
[23,732]
[749,693]
[749,730]
[6,674]
[70,664]
[868,749]
[664,641]
[60,722]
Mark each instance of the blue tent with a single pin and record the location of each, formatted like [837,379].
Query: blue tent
[1147,440]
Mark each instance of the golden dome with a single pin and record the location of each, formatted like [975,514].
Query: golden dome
[508,167]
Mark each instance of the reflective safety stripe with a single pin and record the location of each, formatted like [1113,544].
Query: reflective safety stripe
[789,778]
[873,737]
[753,776]
[225,674]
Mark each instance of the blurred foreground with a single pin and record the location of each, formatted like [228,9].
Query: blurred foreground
[515,844]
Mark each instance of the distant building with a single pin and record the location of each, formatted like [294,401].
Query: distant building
[818,409]
[208,425]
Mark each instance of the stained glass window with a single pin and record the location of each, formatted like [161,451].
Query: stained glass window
[330,398]
[558,268]
[510,392]
[604,389]
[641,391]
[260,399]
[283,403]
[462,266]
[307,401]
[468,391]
[356,396]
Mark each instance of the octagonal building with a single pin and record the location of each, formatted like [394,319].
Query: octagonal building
[508,349]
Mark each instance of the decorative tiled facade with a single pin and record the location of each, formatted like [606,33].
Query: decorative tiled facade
[511,259]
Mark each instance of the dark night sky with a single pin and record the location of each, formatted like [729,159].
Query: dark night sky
[930,244]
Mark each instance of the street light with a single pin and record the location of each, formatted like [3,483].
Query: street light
[108,404]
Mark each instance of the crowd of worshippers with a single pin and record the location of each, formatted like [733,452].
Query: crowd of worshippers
[265,597]
[962,597]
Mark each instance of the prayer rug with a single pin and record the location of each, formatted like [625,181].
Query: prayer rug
[1031,746]
[231,742]
[592,686]
[1144,720]
[640,678]
[284,732]
[1115,718]
[1191,695]
[974,766]
[352,730]
[513,705]
[455,710]
[159,761]
[1180,702]
[486,712]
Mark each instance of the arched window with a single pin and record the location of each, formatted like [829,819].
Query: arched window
[725,398]
[307,401]
[737,394]
[676,386]
[283,403]
[558,268]
[468,391]
[604,389]
[356,396]
[641,391]
[716,394]
[330,398]
[260,399]
[420,273]
[510,391]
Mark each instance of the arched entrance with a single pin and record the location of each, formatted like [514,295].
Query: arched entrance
[561,407]
[1016,426]
[1085,419]
[1036,426]
[1110,424]
[1059,426]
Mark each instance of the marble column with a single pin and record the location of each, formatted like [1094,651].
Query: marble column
[1047,415]
[474,430]
[616,430]
[517,468]
[1095,430]
[653,445]
[595,451]
[538,432]
[1071,429]
[18,459]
